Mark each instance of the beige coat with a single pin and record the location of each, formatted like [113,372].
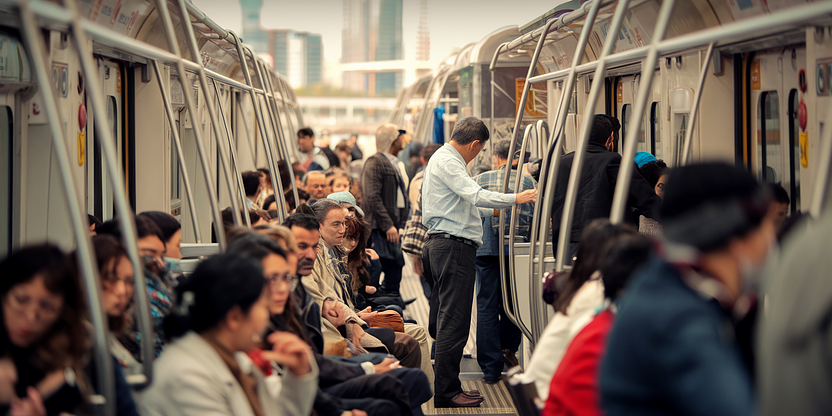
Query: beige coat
[190,379]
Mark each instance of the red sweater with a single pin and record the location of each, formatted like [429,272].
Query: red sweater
[574,387]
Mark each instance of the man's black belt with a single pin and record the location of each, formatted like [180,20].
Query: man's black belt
[455,238]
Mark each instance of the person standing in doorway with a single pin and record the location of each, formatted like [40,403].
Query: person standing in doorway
[453,206]
[313,158]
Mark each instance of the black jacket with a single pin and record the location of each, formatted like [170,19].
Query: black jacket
[596,190]
[380,186]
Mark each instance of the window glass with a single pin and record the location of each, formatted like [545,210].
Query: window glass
[626,115]
[769,158]
[175,178]
[681,123]
[656,129]
[6,147]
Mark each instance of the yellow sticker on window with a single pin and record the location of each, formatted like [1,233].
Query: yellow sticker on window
[82,149]
[804,150]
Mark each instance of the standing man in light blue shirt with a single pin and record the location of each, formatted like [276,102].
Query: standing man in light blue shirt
[453,205]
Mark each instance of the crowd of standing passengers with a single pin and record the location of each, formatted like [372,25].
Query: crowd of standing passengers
[708,300]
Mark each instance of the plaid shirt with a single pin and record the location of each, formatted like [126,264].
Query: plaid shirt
[493,181]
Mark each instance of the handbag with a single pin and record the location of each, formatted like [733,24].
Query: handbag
[388,319]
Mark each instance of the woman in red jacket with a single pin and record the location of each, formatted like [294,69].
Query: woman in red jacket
[574,387]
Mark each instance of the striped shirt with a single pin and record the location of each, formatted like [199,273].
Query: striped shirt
[452,202]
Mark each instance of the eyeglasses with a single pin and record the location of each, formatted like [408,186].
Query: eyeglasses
[113,280]
[23,305]
[273,280]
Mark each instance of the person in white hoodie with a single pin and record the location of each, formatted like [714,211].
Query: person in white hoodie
[576,304]
[223,309]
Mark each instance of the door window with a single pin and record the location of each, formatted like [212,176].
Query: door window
[769,153]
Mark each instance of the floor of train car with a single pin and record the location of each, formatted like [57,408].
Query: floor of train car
[497,398]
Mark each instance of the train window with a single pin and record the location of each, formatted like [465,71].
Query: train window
[626,114]
[175,178]
[794,151]
[769,159]
[6,144]
[681,122]
[656,129]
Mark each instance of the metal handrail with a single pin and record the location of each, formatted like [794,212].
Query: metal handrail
[580,153]
[648,69]
[514,316]
[492,67]
[769,23]
[279,195]
[695,110]
[84,252]
[257,113]
[285,147]
[541,126]
[212,113]
[229,139]
[164,15]
[180,154]
[821,192]
[89,68]
[539,234]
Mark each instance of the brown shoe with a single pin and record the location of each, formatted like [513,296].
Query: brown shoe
[460,400]
[510,358]
[473,393]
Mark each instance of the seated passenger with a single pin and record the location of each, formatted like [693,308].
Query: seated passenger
[582,294]
[345,385]
[574,387]
[171,231]
[43,340]
[206,369]
[151,245]
[655,172]
[498,339]
[674,348]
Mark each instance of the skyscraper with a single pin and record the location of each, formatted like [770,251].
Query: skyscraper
[372,32]
[253,33]
[297,55]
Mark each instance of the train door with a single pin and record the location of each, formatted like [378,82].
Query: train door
[7,167]
[649,136]
[775,97]
[98,181]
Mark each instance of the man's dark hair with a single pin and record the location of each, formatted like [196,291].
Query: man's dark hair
[144,227]
[305,221]
[92,219]
[251,182]
[623,258]
[653,171]
[167,223]
[268,201]
[306,131]
[429,150]
[602,126]
[779,193]
[469,130]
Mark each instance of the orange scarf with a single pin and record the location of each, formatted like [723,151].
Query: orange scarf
[247,382]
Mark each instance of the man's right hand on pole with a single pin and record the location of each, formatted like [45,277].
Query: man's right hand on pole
[526,196]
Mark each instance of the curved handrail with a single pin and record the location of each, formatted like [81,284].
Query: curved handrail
[84,252]
[541,126]
[190,41]
[173,44]
[695,110]
[580,152]
[491,68]
[180,155]
[513,314]
[648,69]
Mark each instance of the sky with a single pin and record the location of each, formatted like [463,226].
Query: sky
[452,23]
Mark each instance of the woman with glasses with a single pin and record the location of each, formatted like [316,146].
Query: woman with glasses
[43,339]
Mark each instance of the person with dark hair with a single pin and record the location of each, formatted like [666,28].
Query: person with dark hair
[252,183]
[171,231]
[597,183]
[415,233]
[454,205]
[781,203]
[655,173]
[269,203]
[344,153]
[202,371]
[355,151]
[582,294]
[385,204]
[43,340]
[94,222]
[359,260]
[574,386]
[498,339]
[677,347]
[313,158]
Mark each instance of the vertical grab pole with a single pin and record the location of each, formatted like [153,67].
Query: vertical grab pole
[551,162]
[821,193]
[107,145]
[179,153]
[164,15]
[695,111]
[285,147]
[513,298]
[85,255]
[542,127]
[212,112]
[232,150]
[279,189]
[586,125]
[648,69]
[259,117]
